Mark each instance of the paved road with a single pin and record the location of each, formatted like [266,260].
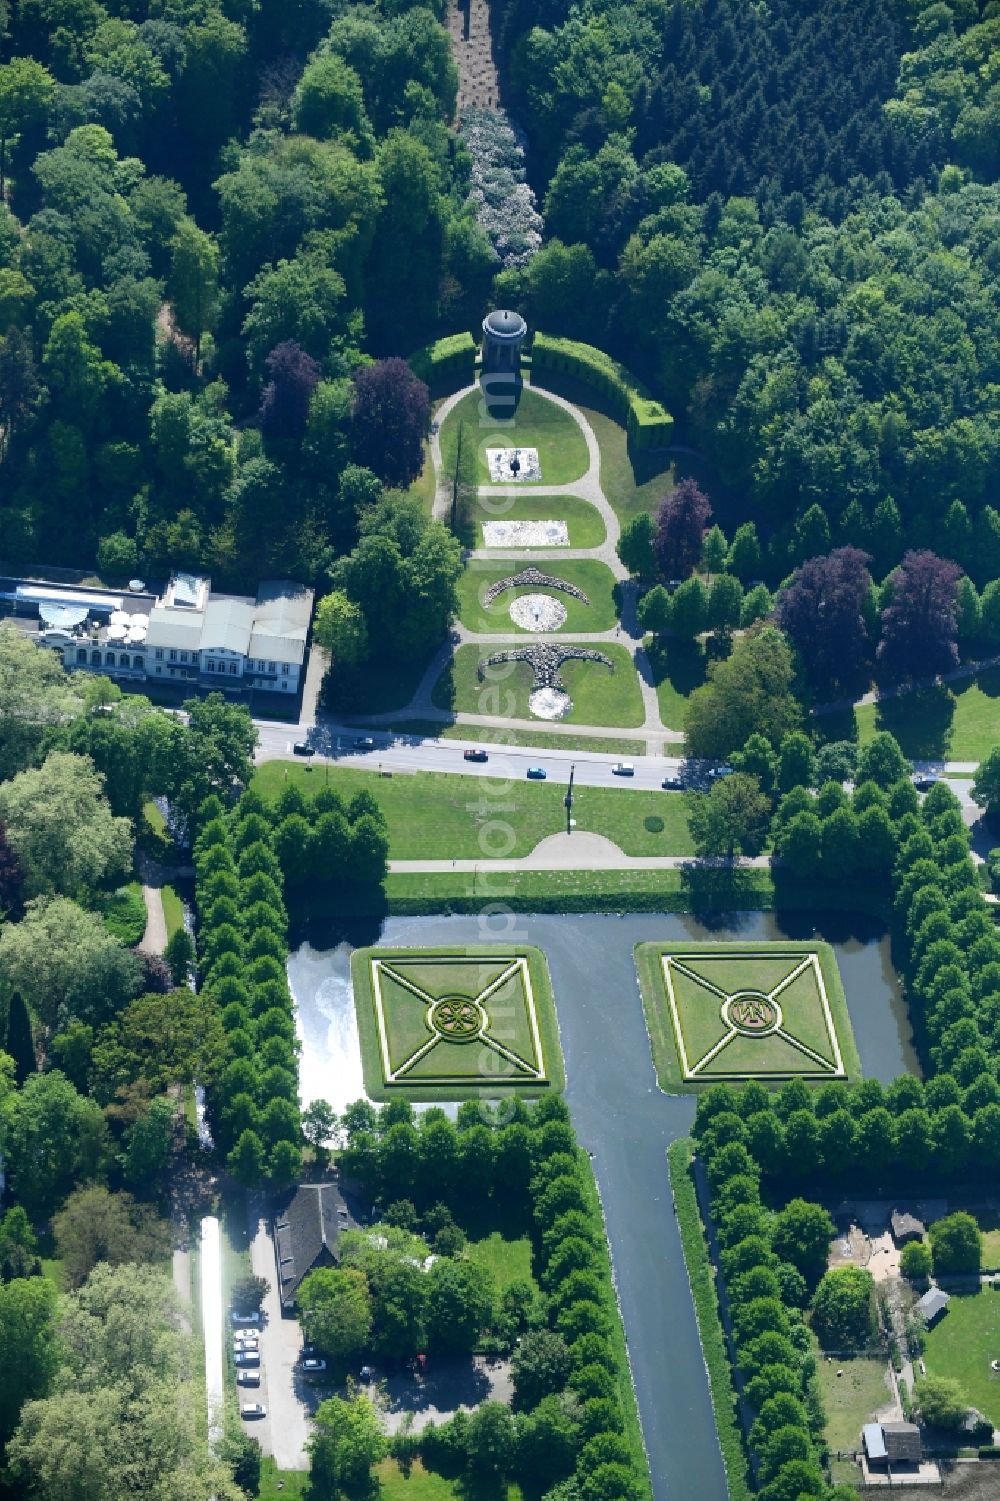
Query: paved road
[289,1399]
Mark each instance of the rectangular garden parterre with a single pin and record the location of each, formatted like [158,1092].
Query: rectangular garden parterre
[729,1012]
[450,1024]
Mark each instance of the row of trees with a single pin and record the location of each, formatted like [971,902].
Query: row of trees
[569,1384]
[319,839]
[253,1102]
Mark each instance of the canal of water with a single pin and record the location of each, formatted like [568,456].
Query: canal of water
[620,1115]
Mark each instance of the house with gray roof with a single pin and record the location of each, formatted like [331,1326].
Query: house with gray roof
[306,1228]
[933,1304]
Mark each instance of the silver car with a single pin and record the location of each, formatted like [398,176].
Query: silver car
[253,1410]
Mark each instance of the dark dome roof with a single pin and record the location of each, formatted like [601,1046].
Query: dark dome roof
[505,323]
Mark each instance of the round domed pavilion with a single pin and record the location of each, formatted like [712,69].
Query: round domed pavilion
[503,334]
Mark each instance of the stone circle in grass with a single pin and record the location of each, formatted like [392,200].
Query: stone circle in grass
[762,1014]
[446,1020]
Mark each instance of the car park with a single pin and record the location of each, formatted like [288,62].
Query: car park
[364,742]
[672,784]
[536,773]
[475,755]
[248,1378]
[303,748]
[623,769]
[253,1410]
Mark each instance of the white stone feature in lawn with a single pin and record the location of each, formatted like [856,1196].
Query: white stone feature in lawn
[549,703]
[525,534]
[513,466]
[538,612]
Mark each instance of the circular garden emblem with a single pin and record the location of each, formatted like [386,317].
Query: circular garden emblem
[458,1018]
[752,1013]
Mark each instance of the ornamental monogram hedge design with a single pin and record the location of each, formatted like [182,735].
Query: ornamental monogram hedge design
[532,578]
[454,1020]
[754,1015]
[545,659]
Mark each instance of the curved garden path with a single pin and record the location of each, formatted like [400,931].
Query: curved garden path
[628,633]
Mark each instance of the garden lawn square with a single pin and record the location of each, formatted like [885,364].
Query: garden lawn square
[757,1014]
[456,1020]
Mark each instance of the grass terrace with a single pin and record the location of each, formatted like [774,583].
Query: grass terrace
[599,697]
[595,579]
[584,522]
[537,423]
[441,1024]
[730,1012]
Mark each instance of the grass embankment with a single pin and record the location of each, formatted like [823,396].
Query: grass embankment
[599,695]
[701,1276]
[963,1343]
[595,579]
[537,423]
[428,729]
[616,1340]
[955,721]
[659,1022]
[486,1075]
[173,910]
[447,816]
[584,522]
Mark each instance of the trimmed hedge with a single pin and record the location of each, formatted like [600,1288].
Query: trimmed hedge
[648,424]
[446,365]
[706,1306]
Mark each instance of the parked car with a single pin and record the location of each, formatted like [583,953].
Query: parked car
[475,755]
[716,772]
[623,769]
[672,784]
[246,1357]
[253,1410]
[242,1346]
[245,1318]
[248,1378]
[303,748]
[925,781]
[364,742]
[537,773]
[313,1364]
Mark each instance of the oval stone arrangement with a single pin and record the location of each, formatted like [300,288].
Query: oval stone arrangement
[538,612]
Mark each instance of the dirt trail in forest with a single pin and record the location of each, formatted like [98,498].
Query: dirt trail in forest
[472,47]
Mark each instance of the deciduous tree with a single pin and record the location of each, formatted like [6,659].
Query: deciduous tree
[390,416]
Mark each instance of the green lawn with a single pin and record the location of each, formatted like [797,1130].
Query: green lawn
[425,1485]
[954,722]
[852,1399]
[173,910]
[387,685]
[423,1063]
[962,1344]
[538,423]
[595,579]
[154,817]
[425,484]
[991,1250]
[506,1260]
[756,966]
[124,913]
[583,520]
[599,696]
[439,816]
[293,1482]
[678,668]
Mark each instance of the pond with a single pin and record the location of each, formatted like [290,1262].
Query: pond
[620,1115]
